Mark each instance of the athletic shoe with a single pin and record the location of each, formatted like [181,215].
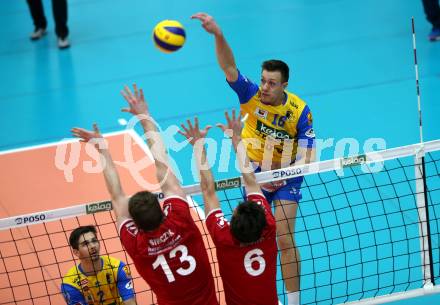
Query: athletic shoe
[63,43]
[434,35]
[38,33]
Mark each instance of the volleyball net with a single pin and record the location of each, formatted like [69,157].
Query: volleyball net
[367,229]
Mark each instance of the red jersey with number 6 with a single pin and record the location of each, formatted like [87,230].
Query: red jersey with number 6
[172,259]
[248,271]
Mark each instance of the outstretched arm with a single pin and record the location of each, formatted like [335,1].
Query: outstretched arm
[169,184]
[234,126]
[120,201]
[197,138]
[225,57]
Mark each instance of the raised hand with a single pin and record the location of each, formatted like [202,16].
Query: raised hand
[233,125]
[193,133]
[136,101]
[94,137]
[208,23]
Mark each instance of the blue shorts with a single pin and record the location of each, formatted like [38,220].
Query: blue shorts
[289,189]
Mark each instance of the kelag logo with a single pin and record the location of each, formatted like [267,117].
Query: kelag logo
[99,207]
[227,184]
[30,219]
[270,131]
[352,161]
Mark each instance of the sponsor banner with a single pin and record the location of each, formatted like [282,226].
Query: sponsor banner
[288,173]
[352,161]
[30,219]
[99,207]
[227,184]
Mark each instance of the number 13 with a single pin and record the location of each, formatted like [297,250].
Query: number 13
[162,262]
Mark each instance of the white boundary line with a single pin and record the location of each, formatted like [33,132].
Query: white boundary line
[50,144]
[397,296]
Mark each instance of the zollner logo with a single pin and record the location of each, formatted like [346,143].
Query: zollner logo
[227,184]
[99,207]
[270,131]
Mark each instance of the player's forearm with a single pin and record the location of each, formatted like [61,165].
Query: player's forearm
[225,57]
[157,147]
[206,180]
[111,175]
[305,156]
[249,178]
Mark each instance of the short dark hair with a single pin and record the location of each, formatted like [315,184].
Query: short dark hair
[77,233]
[144,208]
[248,222]
[277,65]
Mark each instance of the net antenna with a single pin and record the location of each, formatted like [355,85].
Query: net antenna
[421,187]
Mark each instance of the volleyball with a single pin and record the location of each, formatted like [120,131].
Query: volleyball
[169,36]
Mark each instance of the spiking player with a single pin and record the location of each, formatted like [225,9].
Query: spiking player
[278,132]
[165,244]
[246,247]
[96,279]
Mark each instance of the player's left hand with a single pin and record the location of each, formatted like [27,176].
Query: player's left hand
[193,133]
[87,136]
[233,125]
[136,101]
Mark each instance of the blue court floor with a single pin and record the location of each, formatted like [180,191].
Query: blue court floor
[351,61]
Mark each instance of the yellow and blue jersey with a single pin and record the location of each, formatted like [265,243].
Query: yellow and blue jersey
[279,128]
[110,286]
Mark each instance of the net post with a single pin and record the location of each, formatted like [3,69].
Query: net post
[423,212]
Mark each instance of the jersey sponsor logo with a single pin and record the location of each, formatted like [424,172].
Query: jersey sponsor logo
[352,161]
[227,184]
[108,277]
[166,209]
[131,228]
[98,207]
[129,285]
[273,132]
[309,119]
[310,133]
[221,220]
[127,271]
[293,104]
[30,219]
[84,282]
[288,173]
[260,113]
[289,115]
[163,238]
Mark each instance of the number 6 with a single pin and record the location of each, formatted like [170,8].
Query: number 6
[254,255]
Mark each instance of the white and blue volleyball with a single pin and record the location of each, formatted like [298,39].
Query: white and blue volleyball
[169,36]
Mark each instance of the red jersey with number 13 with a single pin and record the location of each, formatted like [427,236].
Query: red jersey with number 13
[248,271]
[172,259]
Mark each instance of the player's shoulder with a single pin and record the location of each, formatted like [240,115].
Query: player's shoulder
[110,261]
[72,276]
[295,102]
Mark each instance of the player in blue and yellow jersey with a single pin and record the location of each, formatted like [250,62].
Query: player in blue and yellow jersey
[102,280]
[278,132]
